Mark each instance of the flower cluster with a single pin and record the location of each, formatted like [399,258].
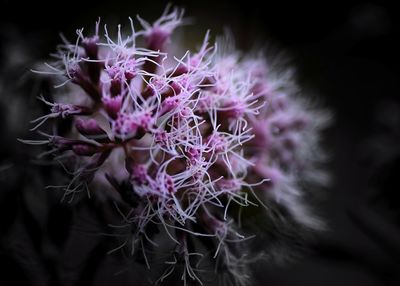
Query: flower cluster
[186,142]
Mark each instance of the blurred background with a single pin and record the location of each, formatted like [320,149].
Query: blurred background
[346,56]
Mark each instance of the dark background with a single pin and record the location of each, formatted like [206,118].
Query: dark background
[346,55]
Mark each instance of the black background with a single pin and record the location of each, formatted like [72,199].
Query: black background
[345,54]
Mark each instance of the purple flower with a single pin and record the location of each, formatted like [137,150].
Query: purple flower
[192,136]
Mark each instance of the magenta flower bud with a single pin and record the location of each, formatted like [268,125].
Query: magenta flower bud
[156,39]
[158,86]
[169,104]
[112,105]
[114,73]
[91,47]
[85,149]
[127,126]
[181,69]
[130,73]
[175,87]
[121,73]
[157,35]
[116,86]
[166,90]
[77,76]
[148,92]
[89,127]
[130,69]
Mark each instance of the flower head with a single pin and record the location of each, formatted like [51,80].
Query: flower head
[189,138]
